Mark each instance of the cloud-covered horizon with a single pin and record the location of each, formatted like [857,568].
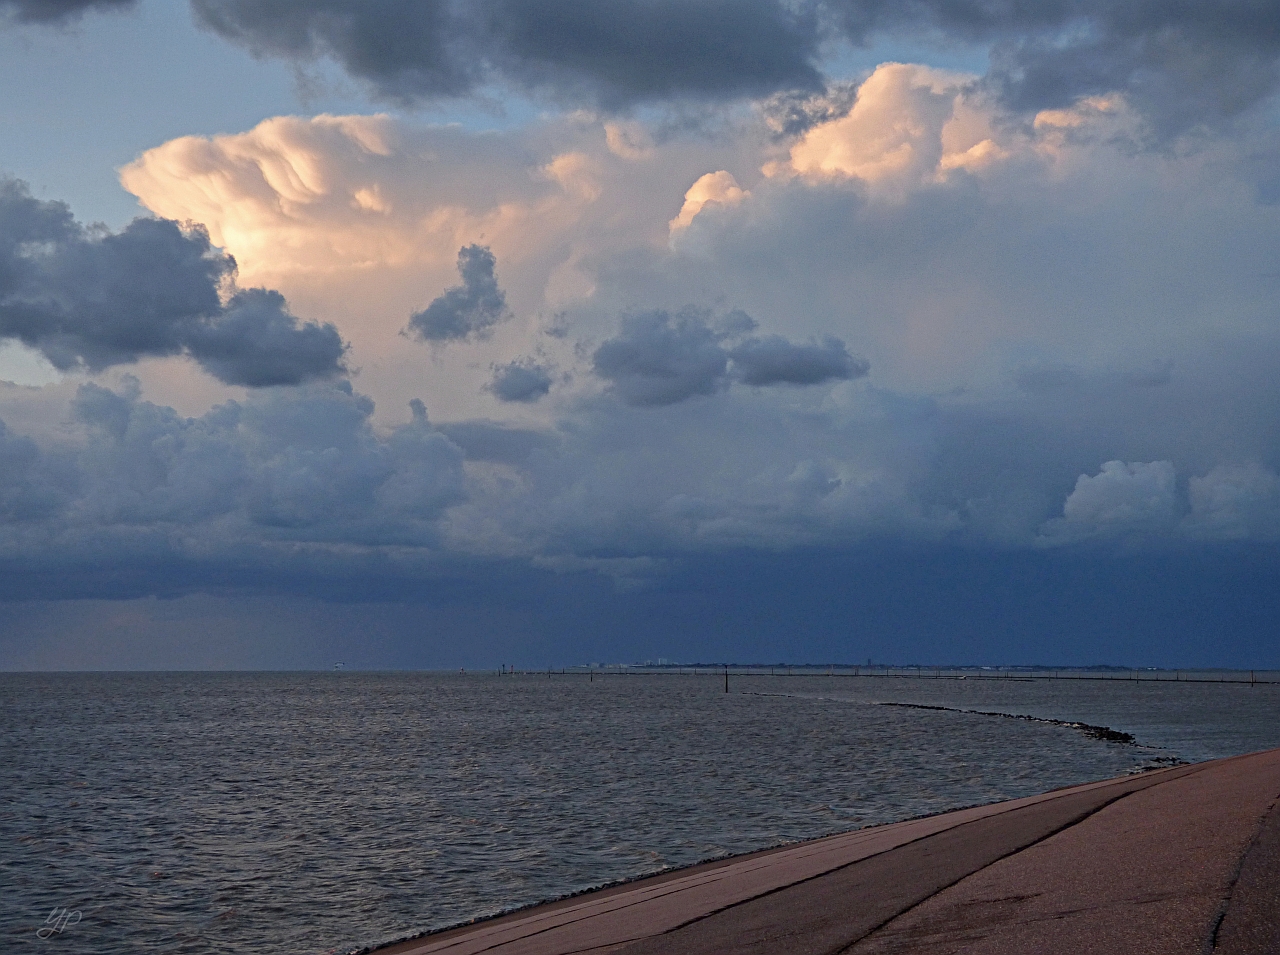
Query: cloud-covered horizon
[895,322]
[621,489]
[697,299]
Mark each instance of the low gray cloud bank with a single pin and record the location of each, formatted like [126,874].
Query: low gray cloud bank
[469,310]
[660,359]
[299,483]
[86,298]
[300,464]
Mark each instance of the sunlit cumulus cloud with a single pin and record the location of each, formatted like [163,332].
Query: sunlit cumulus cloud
[297,194]
[298,197]
[362,219]
[718,187]
[911,126]
[908,124]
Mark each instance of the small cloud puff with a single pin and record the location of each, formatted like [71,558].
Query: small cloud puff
[522,380]
[772,360]
[628,140]
[661,359]
[469,310]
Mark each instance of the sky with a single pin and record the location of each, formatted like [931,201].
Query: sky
[431,334]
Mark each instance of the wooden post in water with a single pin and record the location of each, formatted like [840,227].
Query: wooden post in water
[726,679]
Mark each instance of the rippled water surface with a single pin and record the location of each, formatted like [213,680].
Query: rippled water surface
[236,813]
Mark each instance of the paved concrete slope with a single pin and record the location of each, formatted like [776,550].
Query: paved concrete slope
[1170,861]
[1150,873]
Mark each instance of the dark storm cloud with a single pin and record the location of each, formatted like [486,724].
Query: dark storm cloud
[87,298]
[56,11]
[254,341]
[1182,63]
[614,54]
[469,309]
[660,359]
[773,360]
[523,380]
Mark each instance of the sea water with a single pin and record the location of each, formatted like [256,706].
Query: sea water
[321,813]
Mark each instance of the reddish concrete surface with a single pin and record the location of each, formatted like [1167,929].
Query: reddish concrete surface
[1166,862]
[1251,922]
[1146,874]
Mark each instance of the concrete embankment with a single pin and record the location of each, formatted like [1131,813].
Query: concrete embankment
[1180,860]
